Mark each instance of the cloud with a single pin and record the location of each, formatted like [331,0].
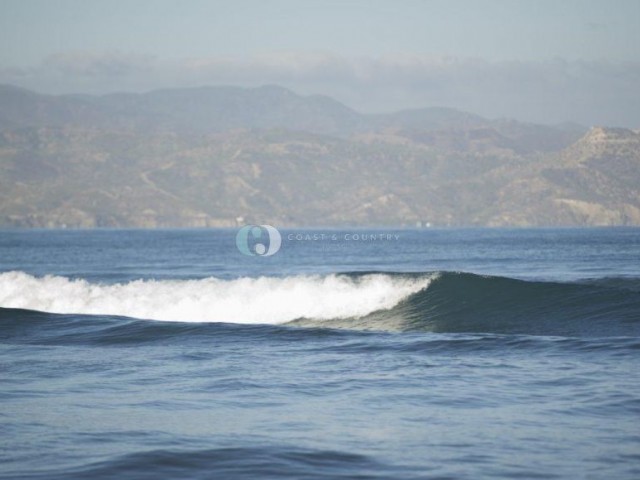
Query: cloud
[97,65]
[589,92]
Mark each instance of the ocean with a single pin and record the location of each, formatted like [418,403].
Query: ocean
[362,353]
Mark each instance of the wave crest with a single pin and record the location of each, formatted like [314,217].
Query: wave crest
[245,300]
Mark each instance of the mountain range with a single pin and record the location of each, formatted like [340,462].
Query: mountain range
[221,156]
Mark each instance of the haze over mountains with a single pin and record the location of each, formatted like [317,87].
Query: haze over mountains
[218,156]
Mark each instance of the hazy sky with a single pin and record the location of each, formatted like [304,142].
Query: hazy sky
[537,60]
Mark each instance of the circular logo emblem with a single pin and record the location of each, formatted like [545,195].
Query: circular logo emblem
[261,240]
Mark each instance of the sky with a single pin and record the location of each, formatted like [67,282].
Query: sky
[536,60]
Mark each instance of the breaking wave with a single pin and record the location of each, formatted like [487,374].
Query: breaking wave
[444,302]
[262,300]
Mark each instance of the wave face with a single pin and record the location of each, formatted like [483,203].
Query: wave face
[267,462]
[444,302]
[264,300]
[469,303]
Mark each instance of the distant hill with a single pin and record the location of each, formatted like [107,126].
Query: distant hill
[207,156]
[219,109]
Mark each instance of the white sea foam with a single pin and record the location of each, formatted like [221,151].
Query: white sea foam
[244,300]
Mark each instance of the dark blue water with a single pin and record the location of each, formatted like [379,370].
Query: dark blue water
[409,354]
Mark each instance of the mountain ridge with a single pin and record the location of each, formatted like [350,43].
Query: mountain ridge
[268,155]
[258,101]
